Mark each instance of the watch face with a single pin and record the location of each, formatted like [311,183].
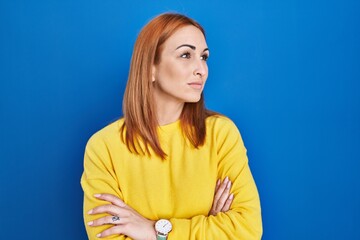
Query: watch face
[163,226]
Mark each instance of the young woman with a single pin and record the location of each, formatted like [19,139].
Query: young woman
[169,169]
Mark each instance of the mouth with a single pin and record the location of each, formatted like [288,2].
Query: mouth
[196,85]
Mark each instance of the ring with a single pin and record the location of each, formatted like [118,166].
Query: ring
[115,218]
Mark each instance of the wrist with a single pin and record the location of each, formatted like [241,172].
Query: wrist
[162,228]
[152,232]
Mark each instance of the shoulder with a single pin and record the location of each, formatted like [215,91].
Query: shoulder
[220,122]
[223,130]
[107,134]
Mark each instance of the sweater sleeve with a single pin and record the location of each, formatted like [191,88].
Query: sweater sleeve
[243,220]
[98,177]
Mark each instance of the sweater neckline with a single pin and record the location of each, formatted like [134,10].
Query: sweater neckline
[170,126]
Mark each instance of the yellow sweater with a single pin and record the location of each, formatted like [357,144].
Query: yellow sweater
[180,188]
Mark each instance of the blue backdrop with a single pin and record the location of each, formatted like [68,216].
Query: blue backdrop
[286,72]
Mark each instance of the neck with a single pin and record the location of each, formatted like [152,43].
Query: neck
[168,111]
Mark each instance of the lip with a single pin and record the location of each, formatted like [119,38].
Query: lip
[196,85]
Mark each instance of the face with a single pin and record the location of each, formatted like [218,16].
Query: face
[181,74]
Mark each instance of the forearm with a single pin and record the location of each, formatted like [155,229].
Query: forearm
[229,225]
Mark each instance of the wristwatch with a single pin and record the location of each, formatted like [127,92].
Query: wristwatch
[162,227]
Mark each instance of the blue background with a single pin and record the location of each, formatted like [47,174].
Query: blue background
[287,73]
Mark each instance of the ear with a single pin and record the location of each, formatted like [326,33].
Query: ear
[153,73]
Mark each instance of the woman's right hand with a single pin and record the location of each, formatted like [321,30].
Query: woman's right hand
[222,197]
[124,219]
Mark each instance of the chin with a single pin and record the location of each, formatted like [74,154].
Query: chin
[193,99]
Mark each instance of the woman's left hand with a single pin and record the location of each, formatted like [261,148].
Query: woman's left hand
[126,220]
[222,197]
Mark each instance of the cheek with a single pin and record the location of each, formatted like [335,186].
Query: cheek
[172,72]
[207,70]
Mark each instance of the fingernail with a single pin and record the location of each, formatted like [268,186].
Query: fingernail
[226,179]
[228,185]
[231,196]
[90,212]
[99,235]
[97,195]
[90,223]
[218,182]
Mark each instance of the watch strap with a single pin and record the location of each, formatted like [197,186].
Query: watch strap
[160,237]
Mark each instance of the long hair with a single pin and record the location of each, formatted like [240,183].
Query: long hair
[139,131]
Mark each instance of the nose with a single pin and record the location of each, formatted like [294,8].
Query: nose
[200,68]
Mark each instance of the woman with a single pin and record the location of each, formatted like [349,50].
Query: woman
[166,169]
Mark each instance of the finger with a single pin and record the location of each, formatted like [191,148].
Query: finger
[224,196]
[220,190]
[220,194]
[118,229]
[110,209]
[228,203]
[217,186]
[111,198]
[106,220]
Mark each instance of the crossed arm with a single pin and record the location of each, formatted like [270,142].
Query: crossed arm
[126,221]
[234,214]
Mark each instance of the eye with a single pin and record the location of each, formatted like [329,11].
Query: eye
[185,55]
[205,57]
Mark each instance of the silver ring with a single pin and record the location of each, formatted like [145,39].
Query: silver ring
[115,218]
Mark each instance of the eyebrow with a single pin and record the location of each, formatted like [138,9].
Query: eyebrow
[191,46]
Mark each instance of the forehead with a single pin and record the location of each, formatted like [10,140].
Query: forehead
[186,35]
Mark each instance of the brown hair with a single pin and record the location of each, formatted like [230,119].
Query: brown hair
[140,123]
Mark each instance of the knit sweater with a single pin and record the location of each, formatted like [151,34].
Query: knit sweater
[179,188]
